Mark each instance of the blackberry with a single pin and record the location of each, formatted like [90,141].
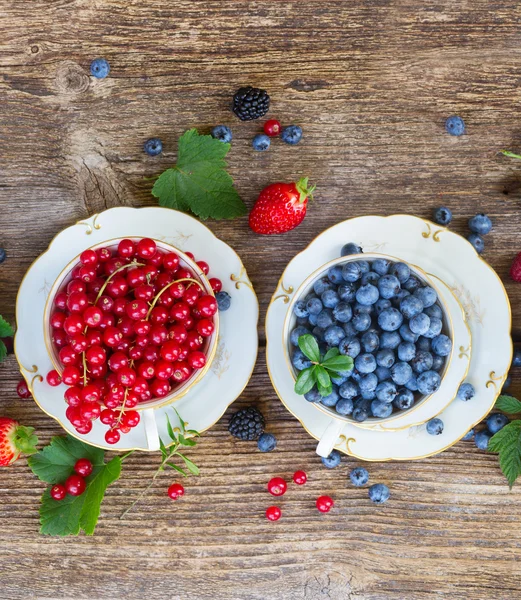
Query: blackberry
[250,103]
[246,424]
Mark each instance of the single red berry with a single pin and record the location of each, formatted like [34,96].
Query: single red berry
[77,302]
[109,320]
[140,386]
[135,277]
[137,309]
[175,491]
[217,284]
[166,299]
[159,315]
[104,254]
[92,316]
[170,350]
[190,255]
[94,287]
[146,248]
[76,286]
[71,375]
[59,338]
[126,376]
[112,336]
[73,324]
[53,378]
[90,393]
[61,300]
[87,273]
[89,257]
[156,260]
[58,491]
[146,369]
[68,356]
[300,477]
[113,265]
[182,371]
[272,128]
[191,295]
[184,274]
[170,261]
[107,416]
[160,388]
[151,353]
[79,343]
[106,303]
[180,311]
[96,355]
[112,436]
[117,287]
[135,352]
[325,503]
[194,340]
[72,396]
[273,513]
[164,369]
[130,419]
[205,327]
[75,273]
[207,305]
[163,279]
[177,290]
[178,333]
[204,266]
[277,486]
[515,269]
[22,390]
[57,319]
[90,411]
[75,485]
[196,359]
[151,272]
[158,335]
[93,338]
[98,371]
[126,248]
[83,467]
[84,428]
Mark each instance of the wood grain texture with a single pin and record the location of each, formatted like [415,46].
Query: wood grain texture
[371,82]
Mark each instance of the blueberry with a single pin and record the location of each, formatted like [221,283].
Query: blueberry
[435,328]
[401,372]
[381,410]
[390,340]
[362,308]
[342,312]
[381,266]
[313,395]
[351,272]
[411,306]
[3,255]
[455,126]
[312,319]
[370,341]
[302,321]
[423,344]
[468,436]
[350,347]
[261,142]
[299,360]
[443,215]
[401,270]
[314,306]
[480,224]
[441,345]
[428,382]
[369,395]
[385,358]
[370,277]
[477,241]
[386,391]
[412,284]
[325,318]
[401,295]
[347,292]
[153,146]
[404,400]
[422,362]
[390,319]
[350,248]
[222,133]
[344,406]
[224,301]
[420,324]
[332,399]
[291,134]
[388,286]
[496,421]
[330,298]
[338,379]
[434,312]
[361,321]
[365,363]
[368,383]
[407,335]
[381,305]
[267,442]
[438,362]
[427,295]
[406,351]
[379,493]
[335,274]
[318,333]
[348,390]
[333,335]
[412,384]
[361,410]
[383,373]
[99,68]
[296,333]
[359,476]
[367,294]
[331,461]
[364,265]
[516,358]
[300,309]
[321,285]
[481,439]
[435,426]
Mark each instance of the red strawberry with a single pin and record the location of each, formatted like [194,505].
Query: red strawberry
[280,207]
[15,439]
[515,269]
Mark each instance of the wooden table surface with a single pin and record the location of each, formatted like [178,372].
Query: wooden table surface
[371,82]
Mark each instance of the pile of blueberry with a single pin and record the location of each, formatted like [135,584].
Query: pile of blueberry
[389,321]
[479,225]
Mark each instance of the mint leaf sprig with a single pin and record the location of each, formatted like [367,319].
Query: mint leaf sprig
[319,373]
[5,331]
[507,441]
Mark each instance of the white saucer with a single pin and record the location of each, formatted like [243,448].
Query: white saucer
[206,402]
[443,254]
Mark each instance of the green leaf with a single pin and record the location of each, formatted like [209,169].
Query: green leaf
[185,441]
[507,442]
[305,381]
[323,378]
[5,329]
[510,154]
[508,404]
[325,391]
[193,468]
[171,433]
[178,469]
[55,462]
[3,350]
[308,344]
[193,432]
[338,363]
[199,181]
[181,422]
[330,353]
[163,448]
[96,488]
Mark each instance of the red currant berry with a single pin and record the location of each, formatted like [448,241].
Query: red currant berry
[61,300]
[104,254]
[127,376]
[180,311]
[164,369]
[68,356]
[84,428]
[95,286]
[273,513]
[177,290]
[216,284]
[76,285]
[178,333]
[92,316]
[204,266]
[207,306]
[205,327]
[108,321]
[170,261]
[79,343]
[53,378]
[75,273]
[124,428]
[58,492]
[106,303]
[73,415]
[151,272]
[277,486]
[158,335]
[130,419]
[159,388]
[117,287]
[89,257]
[144,292]
[132,400]
[120,307]
[102,386]
[135,353]
[190,255]
[90,393]
[72,396]
[142,327]
[166,299]
[83,467]
[107,416]
[90,410]
[96,355]
[57,320]
[146,248]
[151,353]
[140,386]
[325,503]
[93,338]
[126,248]
[196,359]
[184,274]
[156,260]
[300,477]
[163,279]
[135,277]
[112,436]
[59,338]
[87,273]
[113,265]
[22,390]
[98,370]
[175,491]
[145,396]
[159,315]
[194,340]
[170,350]
[75,485]
[146,370]
[126,326]
[77,302]
[272,128]
[116,392]
[191,295]
[183,353]
[71,375]
[182,371]
[73,324]
[112,336]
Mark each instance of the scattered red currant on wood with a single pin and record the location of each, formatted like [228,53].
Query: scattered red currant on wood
[273,513]
[277,486]
[300,477]
[272,128]
[22,390]
[325,503]
[175,491]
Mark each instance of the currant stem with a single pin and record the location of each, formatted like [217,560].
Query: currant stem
[134,263]
[154,301]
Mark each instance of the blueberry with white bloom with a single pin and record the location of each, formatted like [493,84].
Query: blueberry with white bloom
[435,328]
[383,373]
[370,277]
[333,335]
[435,426]
[481,439]
[386,391]
[381,410]
[379,493]
[332,399]
[401,372]
[362,410]
[422,362]
[344,406]
[350,248]
[292,134]
[437,362]
[406,351]
[334,274]
[99,68]
[350,347]
[370,341]
[480,224]
[428,382]
[318,333]
[312,319]
[516,358]
[390,339]
[412,284]
[411,306]
[347,292]
[390,319]
[441,345]
[350,330]
[420,324]
[412,384]
[434,311]
[331,461]
[296,333]
[367,294]
[361,321]
[407,335]
[349,390]
[351,272]
[401,295]
[364,265]
[153,146]
[314,305]
[427,295]
[325,318]
[368,383]
[359,476]
[321,285]
[443,215]
[496,421]
[343,312]
[267,442]
[365,363]
[477,241]
[313,395]
[362,308]
[300,309]
[222,133]
[385,358]
[468,436]
[330,298]
[369,395]
[261,142]
[381,266]
[423,344]
[404,400]
[401,270]
[338,379]
[381,305]
[388,286]
[455,125]
[299,360]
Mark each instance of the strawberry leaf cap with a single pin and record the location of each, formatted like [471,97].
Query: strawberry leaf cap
[24,439]
[304,189]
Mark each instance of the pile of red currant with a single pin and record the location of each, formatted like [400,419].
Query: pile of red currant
[74,485]
[130,326]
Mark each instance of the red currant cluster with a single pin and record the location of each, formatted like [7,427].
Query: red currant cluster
[130,326]
[74,485]
[278,486]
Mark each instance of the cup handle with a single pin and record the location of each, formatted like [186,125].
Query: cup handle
[151,432]
[329,438]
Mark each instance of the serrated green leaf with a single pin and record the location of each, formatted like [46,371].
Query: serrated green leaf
[3,351]
[305,381]
[193,468]
[178,469]
[5,329]
[338,363]
[330,353]
[308,344]
[199,181]
[508,404]
[507,442]
[95,493]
